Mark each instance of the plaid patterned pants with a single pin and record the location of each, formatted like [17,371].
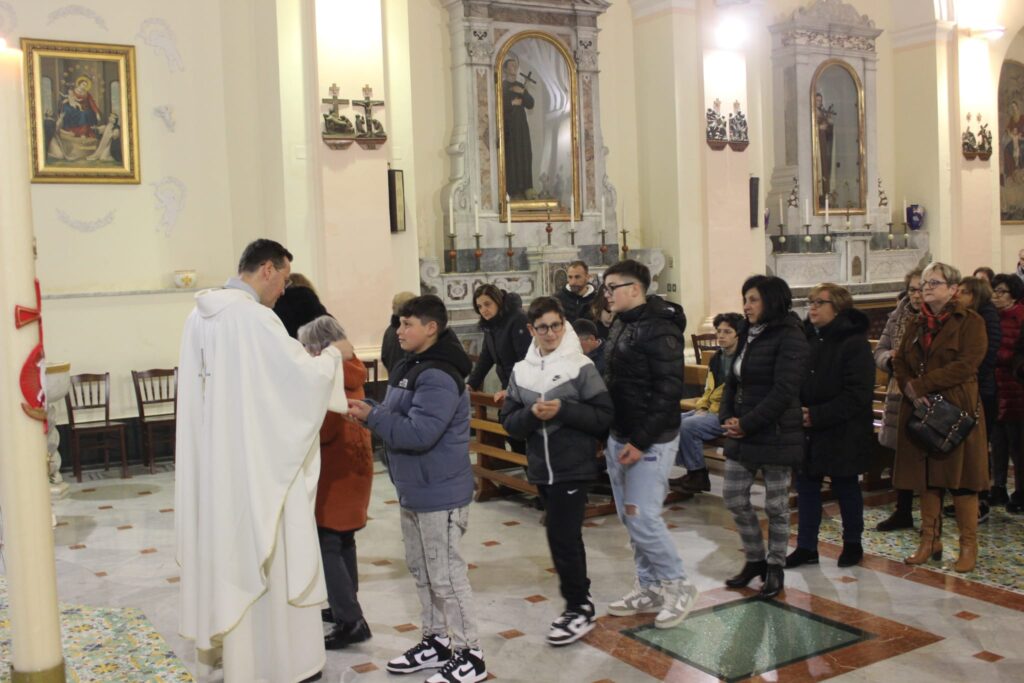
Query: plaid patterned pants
[736,492]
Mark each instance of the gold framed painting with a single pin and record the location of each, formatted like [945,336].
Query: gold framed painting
[82,112]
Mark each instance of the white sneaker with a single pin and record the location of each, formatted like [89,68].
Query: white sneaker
[680,596]
[637,601]
[571,626]
[430,653]
[465,666]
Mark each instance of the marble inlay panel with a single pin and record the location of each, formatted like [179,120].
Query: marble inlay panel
[586,97]
[483,126]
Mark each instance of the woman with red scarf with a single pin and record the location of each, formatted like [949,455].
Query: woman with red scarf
[940,353]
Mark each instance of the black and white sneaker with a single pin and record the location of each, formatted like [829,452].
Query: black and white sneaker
[571,626]
[467,666]
[430,653]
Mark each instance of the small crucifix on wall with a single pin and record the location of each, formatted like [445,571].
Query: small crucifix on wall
[334,122]
[370,127]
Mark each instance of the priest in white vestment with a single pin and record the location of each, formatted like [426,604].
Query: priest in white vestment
[250,405]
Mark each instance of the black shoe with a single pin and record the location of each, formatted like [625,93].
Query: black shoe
[897,520]
[997,496]
[344,635]
[695,481]
[1012,506]
[747,574]
[801,556]
[327,616]
[774,582]
[852,554]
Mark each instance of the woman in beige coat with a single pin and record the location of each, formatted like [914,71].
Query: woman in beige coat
[940,354]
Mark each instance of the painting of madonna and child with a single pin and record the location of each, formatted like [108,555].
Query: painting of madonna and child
[82,112]
[537,128]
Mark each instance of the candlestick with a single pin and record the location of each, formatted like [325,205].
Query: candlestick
[848,226]
[906,235]
[572,213]
[604,246]
[807,233]
[549,229]
[24,483]
[828,236]
[476,217]
[509,253]
[782,233]
[625,244]
[453,256]
[477,253]
[451,214]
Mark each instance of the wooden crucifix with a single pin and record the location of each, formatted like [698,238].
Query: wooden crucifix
[333,99]
[373,127]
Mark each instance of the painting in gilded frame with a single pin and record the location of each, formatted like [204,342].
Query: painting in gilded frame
[1011,142]
[82,112]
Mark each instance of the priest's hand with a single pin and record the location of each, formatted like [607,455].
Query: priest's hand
[348,352]
[360,410]
[545,410]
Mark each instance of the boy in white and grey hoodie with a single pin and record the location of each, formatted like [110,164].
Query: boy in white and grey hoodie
[558,403]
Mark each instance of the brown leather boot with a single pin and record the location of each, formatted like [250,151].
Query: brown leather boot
[931,528]
[967,519]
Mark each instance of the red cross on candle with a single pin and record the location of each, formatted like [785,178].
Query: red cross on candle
[31,374]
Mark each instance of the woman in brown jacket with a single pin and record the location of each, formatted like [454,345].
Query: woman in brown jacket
[940,354]
[343,494]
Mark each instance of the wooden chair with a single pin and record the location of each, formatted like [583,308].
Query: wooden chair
[90,393]
[155,389]
[703,342]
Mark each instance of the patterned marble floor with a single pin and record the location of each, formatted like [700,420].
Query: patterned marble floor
[115,548]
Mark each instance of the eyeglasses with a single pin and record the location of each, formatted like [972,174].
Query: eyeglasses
[610,289]
[1001,291]
[542,330]
[288,283]
[913,290]
[817,303]
[933,283]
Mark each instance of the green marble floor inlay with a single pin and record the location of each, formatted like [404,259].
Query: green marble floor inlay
[748,637]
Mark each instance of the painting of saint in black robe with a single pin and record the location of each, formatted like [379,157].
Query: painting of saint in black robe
[516,99]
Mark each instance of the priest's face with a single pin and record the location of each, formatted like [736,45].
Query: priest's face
[415,335]
[277,280]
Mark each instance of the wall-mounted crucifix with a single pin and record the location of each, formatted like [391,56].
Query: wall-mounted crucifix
[369,127]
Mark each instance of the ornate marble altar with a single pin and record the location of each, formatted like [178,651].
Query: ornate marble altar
[481,32]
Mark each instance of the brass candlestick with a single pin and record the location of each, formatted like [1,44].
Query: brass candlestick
[828,236]
[604,247]
[625,244]
[453,254]
[549,229]
[477,253]
[510,252]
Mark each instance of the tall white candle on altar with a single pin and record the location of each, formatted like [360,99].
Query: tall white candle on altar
[826,208]
[508,215]
[24,482]
[476,216]
[781,214]
[572,211]
[904,218]
[807,211]
[451,214]
[602,214]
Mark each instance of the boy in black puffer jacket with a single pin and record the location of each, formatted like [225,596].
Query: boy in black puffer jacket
[558,403]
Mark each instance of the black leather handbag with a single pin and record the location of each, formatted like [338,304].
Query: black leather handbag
[941,426]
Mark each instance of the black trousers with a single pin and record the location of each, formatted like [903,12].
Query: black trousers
[338,549]
[565,503]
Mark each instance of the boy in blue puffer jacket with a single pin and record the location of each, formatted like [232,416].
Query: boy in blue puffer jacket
[424,423]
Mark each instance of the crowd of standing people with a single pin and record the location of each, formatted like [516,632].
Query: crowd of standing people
[590,386]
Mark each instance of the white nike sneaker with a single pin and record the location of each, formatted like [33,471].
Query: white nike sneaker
[467,666]
[430,653]
[637,601]
[680,596]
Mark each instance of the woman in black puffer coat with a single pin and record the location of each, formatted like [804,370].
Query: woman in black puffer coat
[763,425]
[506,338]
[838,421]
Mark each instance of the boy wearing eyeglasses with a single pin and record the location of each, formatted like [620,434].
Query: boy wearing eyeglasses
[558,403]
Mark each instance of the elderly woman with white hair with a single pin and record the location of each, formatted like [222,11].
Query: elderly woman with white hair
[938,358]
[343,494]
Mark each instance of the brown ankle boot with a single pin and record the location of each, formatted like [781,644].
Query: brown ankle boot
[931,528]
[967,520]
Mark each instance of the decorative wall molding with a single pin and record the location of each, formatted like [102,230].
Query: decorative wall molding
[170,201]
[83,225]
[159,35]
[76,11]
[8,18]
[925,34]
[647,8]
